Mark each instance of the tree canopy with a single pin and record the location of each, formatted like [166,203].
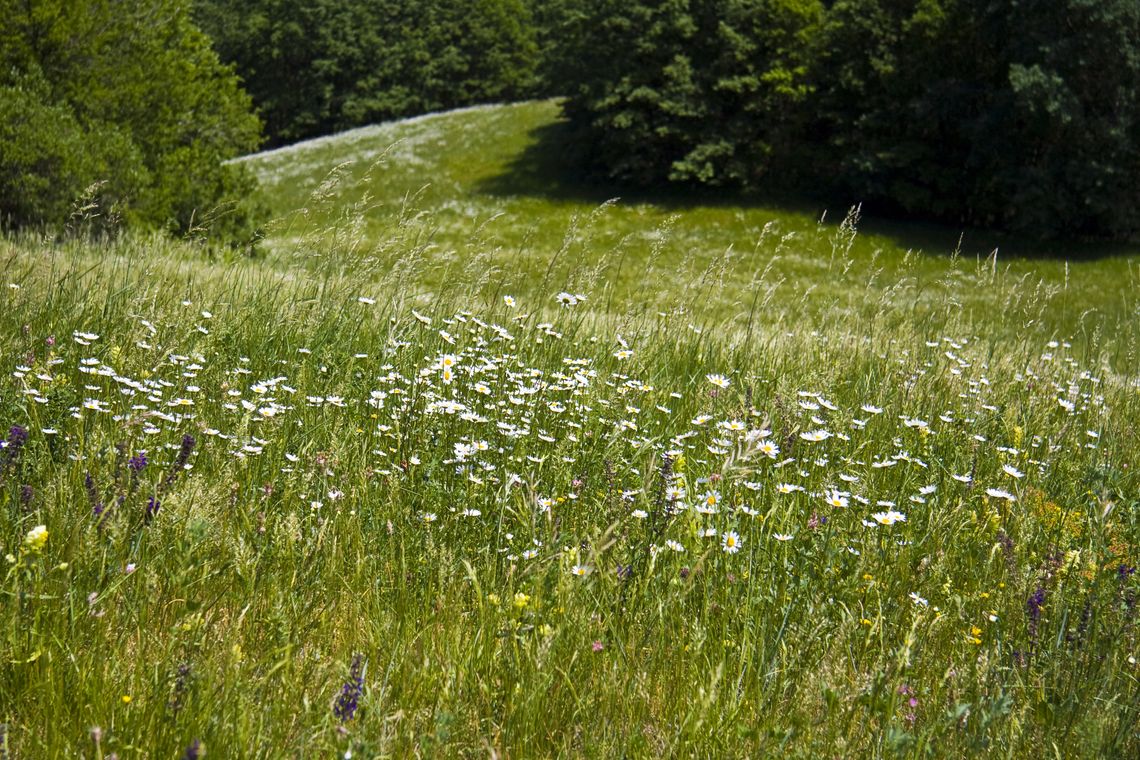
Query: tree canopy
[696,91]
[319,66]
[123,101]
[1019,114]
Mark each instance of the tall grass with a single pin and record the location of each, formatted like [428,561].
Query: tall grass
[350,499]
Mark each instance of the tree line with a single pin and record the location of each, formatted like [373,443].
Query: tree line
[1019,114]
[319,66]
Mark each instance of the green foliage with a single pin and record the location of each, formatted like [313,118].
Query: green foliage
[46,162]
[698,92]
[315,67]
[558,27]
[127,94]
[1015,114]
[1020,115]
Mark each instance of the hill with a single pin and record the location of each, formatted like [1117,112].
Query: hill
[496,185]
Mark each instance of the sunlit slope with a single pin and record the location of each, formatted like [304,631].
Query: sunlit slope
[493,187]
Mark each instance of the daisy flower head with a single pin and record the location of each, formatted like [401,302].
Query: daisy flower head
[836,499]
[1012,471]
[997,493]
[580,570]
[889,517]
[730,541]
[509,301]
[720,381]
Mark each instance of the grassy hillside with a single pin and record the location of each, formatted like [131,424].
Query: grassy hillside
[495,183]
[422,482]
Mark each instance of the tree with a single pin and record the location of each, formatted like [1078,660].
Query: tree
[695,91]
[319,66]
[126,93]
[1019,114]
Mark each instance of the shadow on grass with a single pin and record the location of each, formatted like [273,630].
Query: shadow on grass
[551,167]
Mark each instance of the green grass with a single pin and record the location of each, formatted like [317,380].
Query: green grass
[324,510]
[492,183]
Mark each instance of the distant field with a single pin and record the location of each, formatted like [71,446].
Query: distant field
[489,182]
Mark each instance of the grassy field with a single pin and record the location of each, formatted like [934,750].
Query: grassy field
[485,469]
[490,188]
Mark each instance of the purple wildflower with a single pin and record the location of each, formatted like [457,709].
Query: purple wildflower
[194,751]
[1007,549]
[152,506]
[1034,604]
[17,437]
[1033,608]
[137,462]
[181,685]
[350,693]
[97,508]
[27,493]
[180,462]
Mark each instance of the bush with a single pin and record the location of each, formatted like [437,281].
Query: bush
[43,164]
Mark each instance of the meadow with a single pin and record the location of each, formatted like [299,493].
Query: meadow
[469,461]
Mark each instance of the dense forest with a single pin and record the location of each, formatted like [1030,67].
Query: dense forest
[1019,115]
